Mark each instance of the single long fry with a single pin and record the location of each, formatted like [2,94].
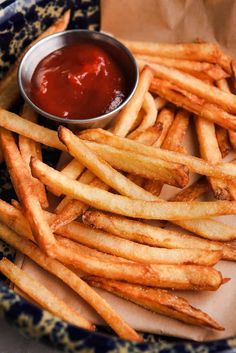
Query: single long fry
[130,250]
[173,142]
[149,118]
[153,235]
[128,115]
[71,279]
[100,168]
[214,71]
[129,207]
[22,182]
[157,300]
[9,91]
[223,85]
[30,148]
[210,151]
[142,165]
[192,103]
[41,295]
[223,170]
[208,52]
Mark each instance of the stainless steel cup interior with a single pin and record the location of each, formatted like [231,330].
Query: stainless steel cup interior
[51,43]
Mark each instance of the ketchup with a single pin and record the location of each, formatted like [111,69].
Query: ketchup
[78,81]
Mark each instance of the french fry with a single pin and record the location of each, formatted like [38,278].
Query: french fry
[206,110]
[9,91]
[194,277]
[152,235]
[30,148]
[126,118]
[22,182]
[206,228]
[157,300]
[225,100]
[100,168]
[149,118]
[154,136]
[192,192]
[120,226]
[208,52]
[75,208]
[142,165]
[101,264]
[107,201]
[87,177]
[41,295]
[130,250]
[15,123]
[223,85]
[210,151]
[173,142]
[197,165]
[223,140]
[72,280]
[213,71]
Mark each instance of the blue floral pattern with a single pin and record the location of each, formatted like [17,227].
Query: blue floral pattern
[20,23]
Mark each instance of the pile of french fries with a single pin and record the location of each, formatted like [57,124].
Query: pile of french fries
[111,187]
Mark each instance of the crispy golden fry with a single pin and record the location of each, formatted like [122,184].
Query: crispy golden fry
[153,235]
[120,226]
[206,228]
[176,133]
[208,52]
[126,118]
[22,181]
[157,300]
[41,295]
[87,177]
[149,118]
[195,105]
[125,206]
[173,142]
[192,192]
[213,71]
[130,250]
[222,137]
[223,85]
[197,165]
[9,91]
[192,277]
[117,181]
[154,136]
[225,100]
[30,148]
[209,150]
[114,267]
[142,165]
[72,280]
[15,123]
[76,208]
